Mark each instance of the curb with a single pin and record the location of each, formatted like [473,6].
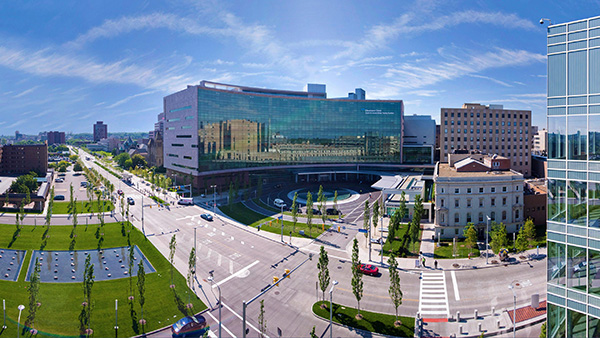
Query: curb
[361,331]
[507,330]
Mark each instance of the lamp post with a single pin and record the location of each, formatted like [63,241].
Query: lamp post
[512,288]
[211,280]
[334,283]
[4,311]
[214,186]
[486,238]
[20,307]
[282,223]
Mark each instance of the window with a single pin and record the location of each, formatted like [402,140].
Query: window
[517,199]
[493,201]
[481,190]
[187,157]
[517,214]
[457,191]
[442,190]
[504,189]
[184,136]
[456,218]
[468,203]
[493,216]
[503,200]
[504,215]
[468,217]
[480,217]
[456,231]
[481,202]
[493,189]
[177,144]
[468,190]
[457,203]
[441,202]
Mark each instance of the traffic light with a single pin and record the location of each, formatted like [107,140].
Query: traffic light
[287,273]
[275,280]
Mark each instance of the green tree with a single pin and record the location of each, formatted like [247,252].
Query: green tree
[172,248]
[367,218]
[309,212]
[323,266]
[294,211]
[498,237]
[128,164]
[521,243]
[375,214]
[322,199]
[528,230]
[7,199]
[141,284]
[73,157]
[470,236]
[34,287]
[77,167]
[393,225]
[74,214]
[71,197]
[402,209]
[50,207]
[24,184]
[88,283]
[191,269]
[130,263]
[262,321]
[335,202]
[139,161]
[313,334]
[394,289]
[357,282]
[415,224]
[543,331]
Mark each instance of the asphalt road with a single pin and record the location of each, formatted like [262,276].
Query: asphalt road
[244,263]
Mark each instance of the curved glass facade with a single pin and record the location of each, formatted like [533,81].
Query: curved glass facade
[240,130]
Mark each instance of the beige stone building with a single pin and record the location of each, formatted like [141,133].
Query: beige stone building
[488,130]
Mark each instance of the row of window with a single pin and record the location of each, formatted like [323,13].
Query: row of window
[469,219]
[465,139]
[514,116]
[182,127]
[485,131]
[481,190]
[485,123]
[481,202]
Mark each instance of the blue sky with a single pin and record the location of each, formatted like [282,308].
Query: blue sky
[66,64]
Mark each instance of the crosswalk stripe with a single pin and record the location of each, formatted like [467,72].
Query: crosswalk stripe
[433,296]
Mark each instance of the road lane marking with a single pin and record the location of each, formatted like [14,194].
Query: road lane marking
[230,267]
[455,284]
[209,253]
[240,317]
[237,274]
[217,327]
[219,260]
[242,242]
[433,296]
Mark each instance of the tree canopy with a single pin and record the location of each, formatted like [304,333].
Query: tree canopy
[24,184]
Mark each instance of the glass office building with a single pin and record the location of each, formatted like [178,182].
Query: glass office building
[574,179]
[216,127]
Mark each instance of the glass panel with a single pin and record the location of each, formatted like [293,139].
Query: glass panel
[594,43]
[577,324]
[578,100]
[593,327]
[576,203]
[557,29]
[556,263]
[594,136]
[556,321]
[593,275]
[556,137]
[577,137]
[594,33]
[557,101]
[578,110]
[556,200]
[557,39]
[577,72]
[577,26]
[577,45]
[557,76]
[594,204]
[577,36]
[595,70]
[576,268]
[557,48]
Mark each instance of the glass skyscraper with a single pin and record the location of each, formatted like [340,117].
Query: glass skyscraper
[574,179]
[218,127]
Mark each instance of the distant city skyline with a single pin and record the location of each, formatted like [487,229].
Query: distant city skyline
[65,65]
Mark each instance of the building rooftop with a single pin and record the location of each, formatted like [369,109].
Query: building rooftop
[444,170]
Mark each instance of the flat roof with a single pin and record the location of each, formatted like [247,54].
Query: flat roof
[444,170]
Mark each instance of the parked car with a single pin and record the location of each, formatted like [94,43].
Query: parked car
[368,269]
[332,211]
[279,203]
[190,326]
[316,212]
[120,192]
[130,201]
[207,217]
[84,184]
[59,180]
[59,197]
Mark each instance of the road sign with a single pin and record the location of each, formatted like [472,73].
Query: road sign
[362,230]
[280,217]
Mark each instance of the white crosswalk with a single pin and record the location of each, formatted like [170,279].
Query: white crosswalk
[433,297]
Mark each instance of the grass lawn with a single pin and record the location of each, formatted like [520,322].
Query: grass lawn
[395,245]
[371,321]
[242,214]
[61,302]
[158,200]
[82,207]
[289,213]
[446,250]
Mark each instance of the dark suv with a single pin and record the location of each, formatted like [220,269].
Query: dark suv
[332,211]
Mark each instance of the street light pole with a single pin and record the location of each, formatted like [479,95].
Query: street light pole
[143,231]
[214,186]
[331,308]
[511,287]
[487,225]
[20,307]
[212,279]
[282,223]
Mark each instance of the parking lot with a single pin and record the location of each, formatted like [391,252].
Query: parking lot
[74,178]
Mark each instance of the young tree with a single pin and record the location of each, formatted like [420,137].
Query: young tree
[375,214]
[528,230]
[415,224]
[172,248]
[322,199]
[323,266]
[191,272]
[357,282]
[402,209]
[88,283]
[367,218]
[141,284]
[521,243]
[131,259]
[71,197]
[22,211]
[470,237]
[393,226]
[262,322]
[313,334]
[294,211]
[394,290]
[34,287]
[122,205]
[335,200]
[309,212]
[74,210]
[499,237]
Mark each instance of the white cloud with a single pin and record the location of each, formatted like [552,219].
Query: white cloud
[129,98]
[491,79]
[25,92]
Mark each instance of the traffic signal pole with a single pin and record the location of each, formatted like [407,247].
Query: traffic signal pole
[276,282]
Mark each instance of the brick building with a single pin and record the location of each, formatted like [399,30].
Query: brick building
[21,159]
[100,131]
[55,137]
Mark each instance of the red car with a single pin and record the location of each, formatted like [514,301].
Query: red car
[368,269]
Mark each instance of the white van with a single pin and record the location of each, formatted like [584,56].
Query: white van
[186,201]
[279,203]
